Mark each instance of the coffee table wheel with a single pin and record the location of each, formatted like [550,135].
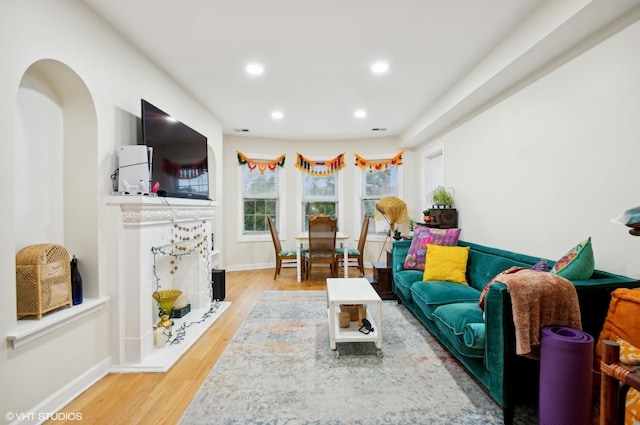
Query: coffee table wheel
[379,353]
[336,354]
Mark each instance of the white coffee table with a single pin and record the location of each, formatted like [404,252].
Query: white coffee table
[353,291]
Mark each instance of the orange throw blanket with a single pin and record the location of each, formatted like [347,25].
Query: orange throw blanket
[539,299]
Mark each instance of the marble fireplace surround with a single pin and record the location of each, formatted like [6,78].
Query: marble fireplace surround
[140,223]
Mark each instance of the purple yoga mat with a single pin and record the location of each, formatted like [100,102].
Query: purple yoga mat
[566,359]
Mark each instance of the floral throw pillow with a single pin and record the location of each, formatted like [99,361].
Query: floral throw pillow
[577,264]
[424,235]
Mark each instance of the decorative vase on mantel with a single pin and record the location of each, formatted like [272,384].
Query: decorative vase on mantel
[165,299]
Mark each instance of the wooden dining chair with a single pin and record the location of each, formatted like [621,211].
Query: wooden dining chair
[355,256]
[322,244]
[283,256]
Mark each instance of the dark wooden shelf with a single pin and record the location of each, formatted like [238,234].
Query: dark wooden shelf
[381,281]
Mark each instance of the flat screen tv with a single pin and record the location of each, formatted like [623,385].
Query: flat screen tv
[178,157]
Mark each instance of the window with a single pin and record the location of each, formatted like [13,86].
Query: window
[375,186]
[260,199]
[198,184]
[319,196]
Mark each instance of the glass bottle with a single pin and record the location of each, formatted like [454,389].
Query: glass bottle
[76,282]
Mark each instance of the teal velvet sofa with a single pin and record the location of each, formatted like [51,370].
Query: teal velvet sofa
[486,348]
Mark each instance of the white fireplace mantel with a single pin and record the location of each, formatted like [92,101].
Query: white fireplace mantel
[140,223]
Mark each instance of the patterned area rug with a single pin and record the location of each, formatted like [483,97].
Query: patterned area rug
[279,369]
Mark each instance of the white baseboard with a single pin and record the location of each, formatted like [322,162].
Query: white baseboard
[66,394]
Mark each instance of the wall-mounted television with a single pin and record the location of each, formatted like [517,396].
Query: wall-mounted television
[179,160]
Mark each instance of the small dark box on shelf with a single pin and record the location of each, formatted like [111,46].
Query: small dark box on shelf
[177,313]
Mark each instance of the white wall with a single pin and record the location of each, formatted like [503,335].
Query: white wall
[42,374]
[556,161]
[249,255]
[536,173]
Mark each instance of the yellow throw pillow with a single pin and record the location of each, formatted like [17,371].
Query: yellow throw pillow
[446,263]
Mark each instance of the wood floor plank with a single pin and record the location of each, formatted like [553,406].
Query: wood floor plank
[162,398]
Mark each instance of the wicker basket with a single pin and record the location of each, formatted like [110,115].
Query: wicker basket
[43,279]
[356,312]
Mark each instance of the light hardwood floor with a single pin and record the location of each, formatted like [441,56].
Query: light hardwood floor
[161,398]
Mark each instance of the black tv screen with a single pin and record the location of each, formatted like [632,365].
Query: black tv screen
[179,156]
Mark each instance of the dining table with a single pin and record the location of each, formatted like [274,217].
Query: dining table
[304,236]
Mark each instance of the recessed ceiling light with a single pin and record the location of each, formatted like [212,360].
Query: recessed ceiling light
[360,113]
[380,67]
[254,69]
[277,115]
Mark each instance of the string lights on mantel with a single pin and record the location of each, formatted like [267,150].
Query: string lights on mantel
[186,239]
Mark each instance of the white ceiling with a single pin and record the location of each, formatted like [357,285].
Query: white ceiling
[317,54]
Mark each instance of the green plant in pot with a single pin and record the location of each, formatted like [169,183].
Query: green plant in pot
[397,235]
[412,225]
[442,197]
[427,215]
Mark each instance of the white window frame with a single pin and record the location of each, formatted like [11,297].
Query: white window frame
[281,218]
[359,187]
[339,195]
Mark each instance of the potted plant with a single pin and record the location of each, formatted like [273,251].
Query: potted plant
[443,214]
[412,225]
[442,197]
[427,215]
[397,235]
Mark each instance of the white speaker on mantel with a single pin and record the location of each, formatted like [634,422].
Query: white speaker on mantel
[133,169]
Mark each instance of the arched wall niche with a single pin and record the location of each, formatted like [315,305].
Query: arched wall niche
[56,197]
[212,172]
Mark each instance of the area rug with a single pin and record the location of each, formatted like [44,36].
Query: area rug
[279,369]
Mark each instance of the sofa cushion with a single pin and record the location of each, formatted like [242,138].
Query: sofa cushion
[474,335]
[482,267]
[451,320]
[577,264]
[446,263]
[404,280]
[432,294]
[424,235]
[540,266]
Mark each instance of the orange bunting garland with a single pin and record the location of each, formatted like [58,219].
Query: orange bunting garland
[320,168]
[262,166]
[379,165]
